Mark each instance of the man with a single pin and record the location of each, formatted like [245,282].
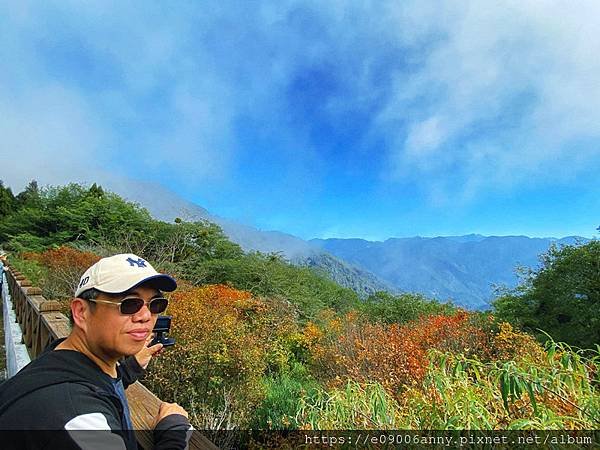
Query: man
[78,383]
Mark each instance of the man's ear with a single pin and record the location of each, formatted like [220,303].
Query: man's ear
[80,310]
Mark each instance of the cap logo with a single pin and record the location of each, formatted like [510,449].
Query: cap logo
[84,281]
[132,262]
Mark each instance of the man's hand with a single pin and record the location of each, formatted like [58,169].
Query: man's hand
[144,356]
[166,409]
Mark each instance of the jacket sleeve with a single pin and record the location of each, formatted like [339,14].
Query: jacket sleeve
[93,422]
[131,371]
[172,433]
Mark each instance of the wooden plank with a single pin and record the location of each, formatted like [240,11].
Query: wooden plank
[143,406]
[32,290]
[17,297]
[58,324]
[28,323]
[50,305]
[35,302]
[44,337]
[35,340]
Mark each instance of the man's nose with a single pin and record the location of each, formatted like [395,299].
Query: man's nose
[143,315]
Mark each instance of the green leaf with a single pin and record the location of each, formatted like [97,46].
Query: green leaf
[519,424]
[531,396]
[504,389]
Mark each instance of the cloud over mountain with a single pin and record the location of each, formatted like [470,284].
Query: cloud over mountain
[370,105]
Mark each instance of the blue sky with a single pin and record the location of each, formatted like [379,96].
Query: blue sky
[363,119]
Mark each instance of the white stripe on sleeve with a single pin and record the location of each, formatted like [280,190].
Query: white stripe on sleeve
[91,431]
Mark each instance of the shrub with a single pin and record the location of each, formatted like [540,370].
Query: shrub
[559,392]
[509,344]
[459,392]
[227,341]
[395,356]
[64,265]
[387,308]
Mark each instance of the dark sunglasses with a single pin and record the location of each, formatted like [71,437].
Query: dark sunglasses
[131,305]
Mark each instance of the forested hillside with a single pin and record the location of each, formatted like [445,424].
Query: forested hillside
[265,344]
[166,206]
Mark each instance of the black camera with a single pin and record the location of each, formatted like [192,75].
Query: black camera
[161,329]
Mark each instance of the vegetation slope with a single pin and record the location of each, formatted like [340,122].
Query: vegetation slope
[264,344]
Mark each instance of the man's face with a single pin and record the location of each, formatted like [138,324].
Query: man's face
[113,334]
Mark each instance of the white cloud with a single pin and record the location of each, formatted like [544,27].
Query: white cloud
[514,85]
[49,135]
[483,94]
[62,124]
[425,137]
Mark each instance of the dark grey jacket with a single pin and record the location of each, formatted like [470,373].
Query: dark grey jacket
[59,397]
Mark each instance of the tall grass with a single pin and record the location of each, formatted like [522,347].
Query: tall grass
[560,392]
[285,394]
[355,406]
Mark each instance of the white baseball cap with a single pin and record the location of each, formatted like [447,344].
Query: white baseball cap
[119,273]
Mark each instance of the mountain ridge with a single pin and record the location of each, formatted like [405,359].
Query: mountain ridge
[463,269]
[166,205]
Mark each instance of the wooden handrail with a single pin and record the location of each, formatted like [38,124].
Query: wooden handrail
[42,322]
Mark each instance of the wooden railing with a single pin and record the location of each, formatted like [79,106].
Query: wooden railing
[40,319]
[42,322]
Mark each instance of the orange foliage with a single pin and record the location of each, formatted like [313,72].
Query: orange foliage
[513,345]
[213,322]
[393,355]
[58,258]
[65,266]
[226,341]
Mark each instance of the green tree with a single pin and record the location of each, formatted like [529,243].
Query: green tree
[7,200]
[561,298]
[387,308]
[270,276]
[58,215]
[184,243]
[30,195]
[96,191]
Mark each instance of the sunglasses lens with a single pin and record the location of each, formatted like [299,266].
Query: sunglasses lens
[131,305]
[158,305]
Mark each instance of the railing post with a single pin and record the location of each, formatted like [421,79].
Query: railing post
[21,299]
[17,356]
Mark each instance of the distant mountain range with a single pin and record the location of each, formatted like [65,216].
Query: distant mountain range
[459,268]
[166,205]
